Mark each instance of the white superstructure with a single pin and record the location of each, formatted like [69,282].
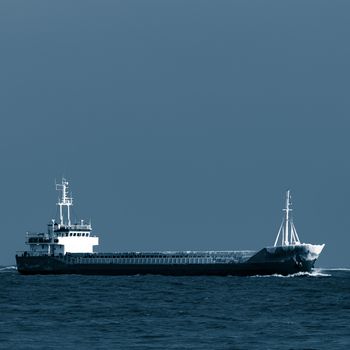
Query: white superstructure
[63,237]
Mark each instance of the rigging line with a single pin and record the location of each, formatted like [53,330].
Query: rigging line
[279,231]
[295,231]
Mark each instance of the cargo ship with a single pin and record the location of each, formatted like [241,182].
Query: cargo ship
[68,248]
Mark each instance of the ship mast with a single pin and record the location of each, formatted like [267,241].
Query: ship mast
[64,201]
[287,228]
[286,220]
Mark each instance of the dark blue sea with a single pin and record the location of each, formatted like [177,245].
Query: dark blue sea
[304,311]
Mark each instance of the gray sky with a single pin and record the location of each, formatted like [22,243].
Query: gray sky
[180,124]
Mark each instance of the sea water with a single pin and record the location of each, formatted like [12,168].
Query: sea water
[303,311]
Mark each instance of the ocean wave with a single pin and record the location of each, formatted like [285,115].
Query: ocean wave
[335,269]
[8,268]
[314,273]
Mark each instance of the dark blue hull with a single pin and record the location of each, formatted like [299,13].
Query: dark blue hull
[264,262]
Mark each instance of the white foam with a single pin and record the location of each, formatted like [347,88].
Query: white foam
[8,268]
[314,273]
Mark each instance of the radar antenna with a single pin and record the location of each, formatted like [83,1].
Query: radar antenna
[64,201]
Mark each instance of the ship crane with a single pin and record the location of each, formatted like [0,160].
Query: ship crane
[287,230]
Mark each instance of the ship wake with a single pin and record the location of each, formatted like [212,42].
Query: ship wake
[313,273]
[8,268]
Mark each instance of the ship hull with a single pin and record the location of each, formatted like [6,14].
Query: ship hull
[285,268]
[268,261]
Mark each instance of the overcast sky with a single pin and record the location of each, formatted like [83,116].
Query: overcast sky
[180,124]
